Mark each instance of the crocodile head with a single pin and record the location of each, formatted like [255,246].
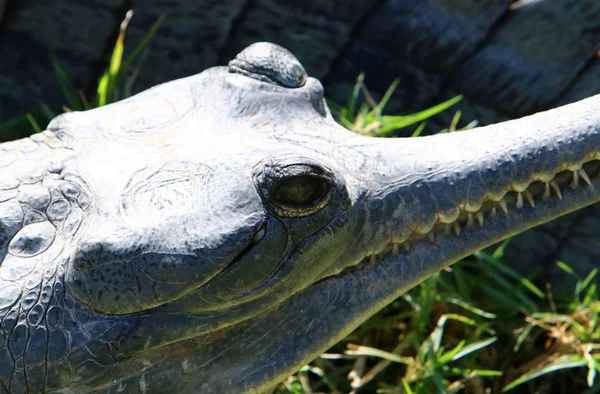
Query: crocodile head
[231,230]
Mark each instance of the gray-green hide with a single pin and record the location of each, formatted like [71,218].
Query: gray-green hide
[215,233]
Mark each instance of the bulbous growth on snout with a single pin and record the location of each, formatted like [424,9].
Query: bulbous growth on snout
[270,63]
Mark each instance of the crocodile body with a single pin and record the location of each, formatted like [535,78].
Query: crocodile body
[215,233]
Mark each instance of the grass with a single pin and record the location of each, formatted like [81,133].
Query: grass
[477,327]
[367,117]
[114,84]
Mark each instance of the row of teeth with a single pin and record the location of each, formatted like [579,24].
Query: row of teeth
[550,187]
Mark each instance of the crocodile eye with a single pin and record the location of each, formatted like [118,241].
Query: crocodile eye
[301,191]
[296,190]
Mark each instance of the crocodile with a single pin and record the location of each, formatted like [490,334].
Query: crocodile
[507,58]
[215,233]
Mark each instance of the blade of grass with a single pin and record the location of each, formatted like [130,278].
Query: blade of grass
[473,347]
[503,268]
[589,278]
[352,100]
[48,113]
[393,123]
[499,251]
[476,372]
[460,276]
[447,356]
[438,331]
[386,98]
[591,297]
[335,108]
[107,83]
[137,51]
[373,352]
[102,89]
[470,308]
[65,85]
[439,383]
[564,362]
[406,386]
[591,364]
[503,299]
[33,123]
[567,269]
[524,334]
[454,122]
[418,130]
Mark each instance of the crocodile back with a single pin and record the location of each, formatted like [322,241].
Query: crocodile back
[30,189]
[38,211]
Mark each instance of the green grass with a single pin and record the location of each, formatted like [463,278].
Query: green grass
[113,85]
[367,117]
[477,327]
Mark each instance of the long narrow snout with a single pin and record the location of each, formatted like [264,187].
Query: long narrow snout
[489,183]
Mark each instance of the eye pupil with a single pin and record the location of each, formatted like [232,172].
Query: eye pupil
[300,190]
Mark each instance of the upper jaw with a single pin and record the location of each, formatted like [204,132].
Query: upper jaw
[476,187]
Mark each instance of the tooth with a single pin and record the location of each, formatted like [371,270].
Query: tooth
[502,204]
[447,228]
[519,200]
[584,176]
[479,215]
[406,246]
[575,182]
[493,213]
[546,195]
[556,189]
[395,250]
[456,228]
[469,219]
[373,259]
[431,237]
[529,198]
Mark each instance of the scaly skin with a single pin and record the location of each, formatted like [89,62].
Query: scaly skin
[215,233]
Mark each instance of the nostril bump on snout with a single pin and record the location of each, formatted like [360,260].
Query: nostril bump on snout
[269,63]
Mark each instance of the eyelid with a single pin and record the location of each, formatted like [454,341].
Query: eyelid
[273,173]
[303,169]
